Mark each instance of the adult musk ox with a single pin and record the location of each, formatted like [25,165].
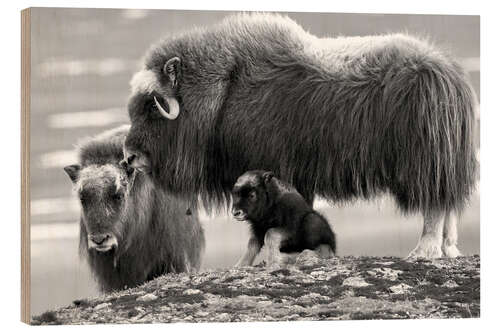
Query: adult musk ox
[130,231]
[341,118]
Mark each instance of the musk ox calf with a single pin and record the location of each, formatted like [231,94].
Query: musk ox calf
[342,118]
[130,231]
[279,218]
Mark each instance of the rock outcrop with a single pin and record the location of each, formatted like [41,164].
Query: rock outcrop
[311,289]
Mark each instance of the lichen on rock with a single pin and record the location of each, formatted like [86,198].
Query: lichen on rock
[311,289]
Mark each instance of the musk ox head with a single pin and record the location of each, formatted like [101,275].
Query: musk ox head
[251,196]
[153,101]
[103,192]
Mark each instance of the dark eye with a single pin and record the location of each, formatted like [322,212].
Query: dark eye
[150,105]
[151,109]
[117,196]
[252,195]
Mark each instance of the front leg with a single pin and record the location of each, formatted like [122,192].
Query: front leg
[273,240]
[253,248]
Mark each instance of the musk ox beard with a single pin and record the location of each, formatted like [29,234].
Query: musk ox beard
[130,231]
[342,118]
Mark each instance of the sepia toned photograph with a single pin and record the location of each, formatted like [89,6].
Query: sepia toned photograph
[219,166]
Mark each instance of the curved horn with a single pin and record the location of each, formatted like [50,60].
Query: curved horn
[173,105]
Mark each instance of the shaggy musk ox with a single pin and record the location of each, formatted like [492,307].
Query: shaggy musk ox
[130,231]
[279,218]
[342,118]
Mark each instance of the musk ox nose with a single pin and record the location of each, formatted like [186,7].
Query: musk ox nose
[137,160]
[100,238]
[237,212]
[130,158]
[124,164]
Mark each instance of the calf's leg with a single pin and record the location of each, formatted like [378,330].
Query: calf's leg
[253,249]
[272,242]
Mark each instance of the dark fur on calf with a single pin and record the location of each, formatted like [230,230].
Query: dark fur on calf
[265,202]
[148,231]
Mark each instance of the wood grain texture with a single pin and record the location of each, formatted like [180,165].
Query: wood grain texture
[25,163]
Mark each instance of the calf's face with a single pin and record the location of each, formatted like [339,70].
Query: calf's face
[102,190]
[251,200]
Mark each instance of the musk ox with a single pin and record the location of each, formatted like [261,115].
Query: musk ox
[341,118]
[279,217]
[130,231]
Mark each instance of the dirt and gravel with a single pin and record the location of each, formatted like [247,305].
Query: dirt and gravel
[310,289]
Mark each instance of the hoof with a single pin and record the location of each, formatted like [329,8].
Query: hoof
[426,250]
[274,267]
[276,263]
[325,251]
[242,264]
[451,251]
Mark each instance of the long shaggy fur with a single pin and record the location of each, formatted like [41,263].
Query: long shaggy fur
[338,117]
[155,236]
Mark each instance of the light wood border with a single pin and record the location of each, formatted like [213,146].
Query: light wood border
[25,164]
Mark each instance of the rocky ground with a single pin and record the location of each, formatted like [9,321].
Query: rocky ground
[310,289]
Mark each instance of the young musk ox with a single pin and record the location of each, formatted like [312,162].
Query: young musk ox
[342,118]
[130,231]
[280,218]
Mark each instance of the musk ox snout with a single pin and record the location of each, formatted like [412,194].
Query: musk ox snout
[238,214]
[102,242]
[135,160]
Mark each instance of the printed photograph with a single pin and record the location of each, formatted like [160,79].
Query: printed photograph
[218,166]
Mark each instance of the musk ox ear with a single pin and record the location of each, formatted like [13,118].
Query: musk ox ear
[172,69]
[267,176]
[73,171]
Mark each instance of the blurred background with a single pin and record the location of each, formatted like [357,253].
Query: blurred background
[82,61]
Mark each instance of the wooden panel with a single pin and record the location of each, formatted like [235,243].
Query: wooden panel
[25,164]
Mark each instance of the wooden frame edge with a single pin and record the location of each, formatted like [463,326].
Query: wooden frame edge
[25,165]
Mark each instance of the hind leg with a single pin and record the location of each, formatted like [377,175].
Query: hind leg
[450,236]
[325,251]
[318,235]
[431,240]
